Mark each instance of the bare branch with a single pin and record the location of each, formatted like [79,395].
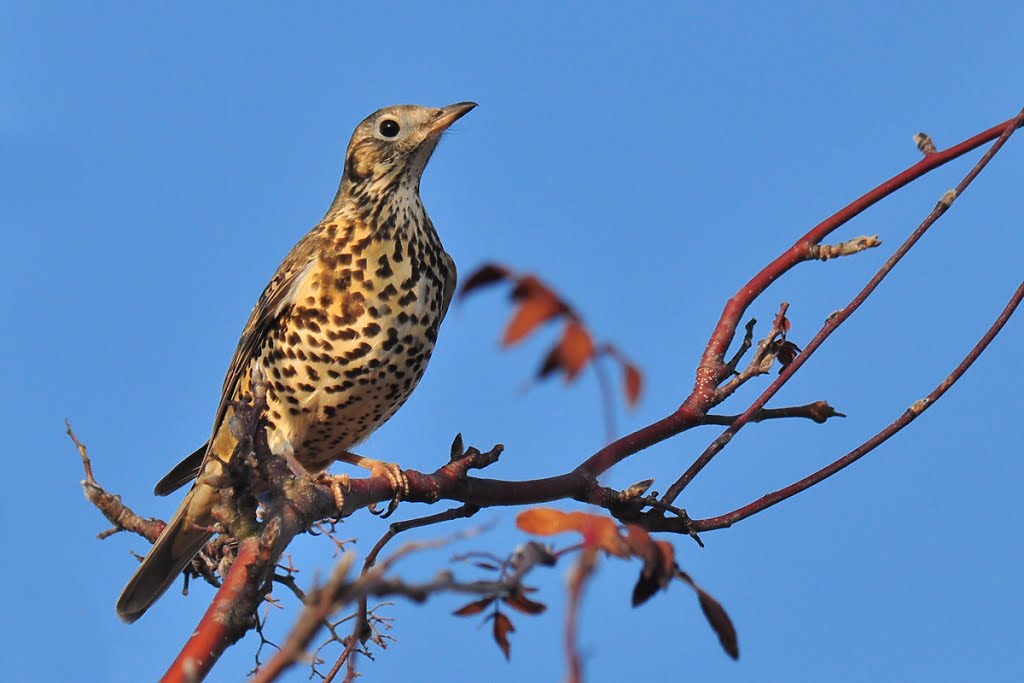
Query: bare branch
[839,318]
[909,416]
[819,411]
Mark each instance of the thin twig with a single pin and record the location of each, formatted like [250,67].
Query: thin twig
[840,317]
[908,416]
[819,411]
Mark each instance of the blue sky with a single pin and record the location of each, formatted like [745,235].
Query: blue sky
[159,163]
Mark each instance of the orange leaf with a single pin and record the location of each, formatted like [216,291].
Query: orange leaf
[634,381]
[668,558]
[520,602]
[575,350]
[641,543]
[475,607]
[544,521]
[598,531]
[487,274]
[502,627]
[534,311]
[603,533]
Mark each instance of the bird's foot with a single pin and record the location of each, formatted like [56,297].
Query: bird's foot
[389,470]
[336,482]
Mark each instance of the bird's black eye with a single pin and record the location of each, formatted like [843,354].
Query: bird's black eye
[389,128]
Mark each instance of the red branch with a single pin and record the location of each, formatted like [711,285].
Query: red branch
[839,318]
[878,439]
[218,629]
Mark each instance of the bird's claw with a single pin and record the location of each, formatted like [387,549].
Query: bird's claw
[399,484]
[336,482]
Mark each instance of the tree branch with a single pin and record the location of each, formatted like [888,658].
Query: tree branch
[911,414]
[841,316]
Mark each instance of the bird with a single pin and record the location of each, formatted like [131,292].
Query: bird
[342,333]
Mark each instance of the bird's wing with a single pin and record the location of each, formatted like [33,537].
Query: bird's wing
[275,302]
[450,281]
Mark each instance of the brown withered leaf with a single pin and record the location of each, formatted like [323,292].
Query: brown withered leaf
[659,563]
[502,627]
[534,310]
[575,350]
[786,354]
[552,361]
[716,616]
[633,382]
[475,607]
[521,603]
[528,286]
[487,274]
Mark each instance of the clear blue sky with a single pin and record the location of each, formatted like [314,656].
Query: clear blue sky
[159,162]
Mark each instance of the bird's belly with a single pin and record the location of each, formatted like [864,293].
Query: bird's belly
[331,387]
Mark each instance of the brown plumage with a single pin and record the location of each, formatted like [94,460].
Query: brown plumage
[343,332]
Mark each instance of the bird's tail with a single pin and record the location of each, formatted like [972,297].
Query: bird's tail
[177,544]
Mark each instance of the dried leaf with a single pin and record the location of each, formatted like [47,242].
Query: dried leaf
[634,383]
[533,311]
[520,602]
[475,607]
[598,531]
[487,274]
[544,521]
[786,354]
[641,544]
[603,533]
[659,563]
[551,363]
[717,617]
[528,286]
[502,627]
[575,350]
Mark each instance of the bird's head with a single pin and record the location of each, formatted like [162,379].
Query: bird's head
[394,144]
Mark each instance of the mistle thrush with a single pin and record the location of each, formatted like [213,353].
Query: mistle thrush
[342,333]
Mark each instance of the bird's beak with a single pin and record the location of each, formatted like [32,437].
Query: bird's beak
[448,116]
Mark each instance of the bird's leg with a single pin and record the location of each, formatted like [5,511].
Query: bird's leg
[335,481]
[378,468]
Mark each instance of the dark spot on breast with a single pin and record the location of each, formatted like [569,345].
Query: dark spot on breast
[359,351]
[384,269]
[391,341]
